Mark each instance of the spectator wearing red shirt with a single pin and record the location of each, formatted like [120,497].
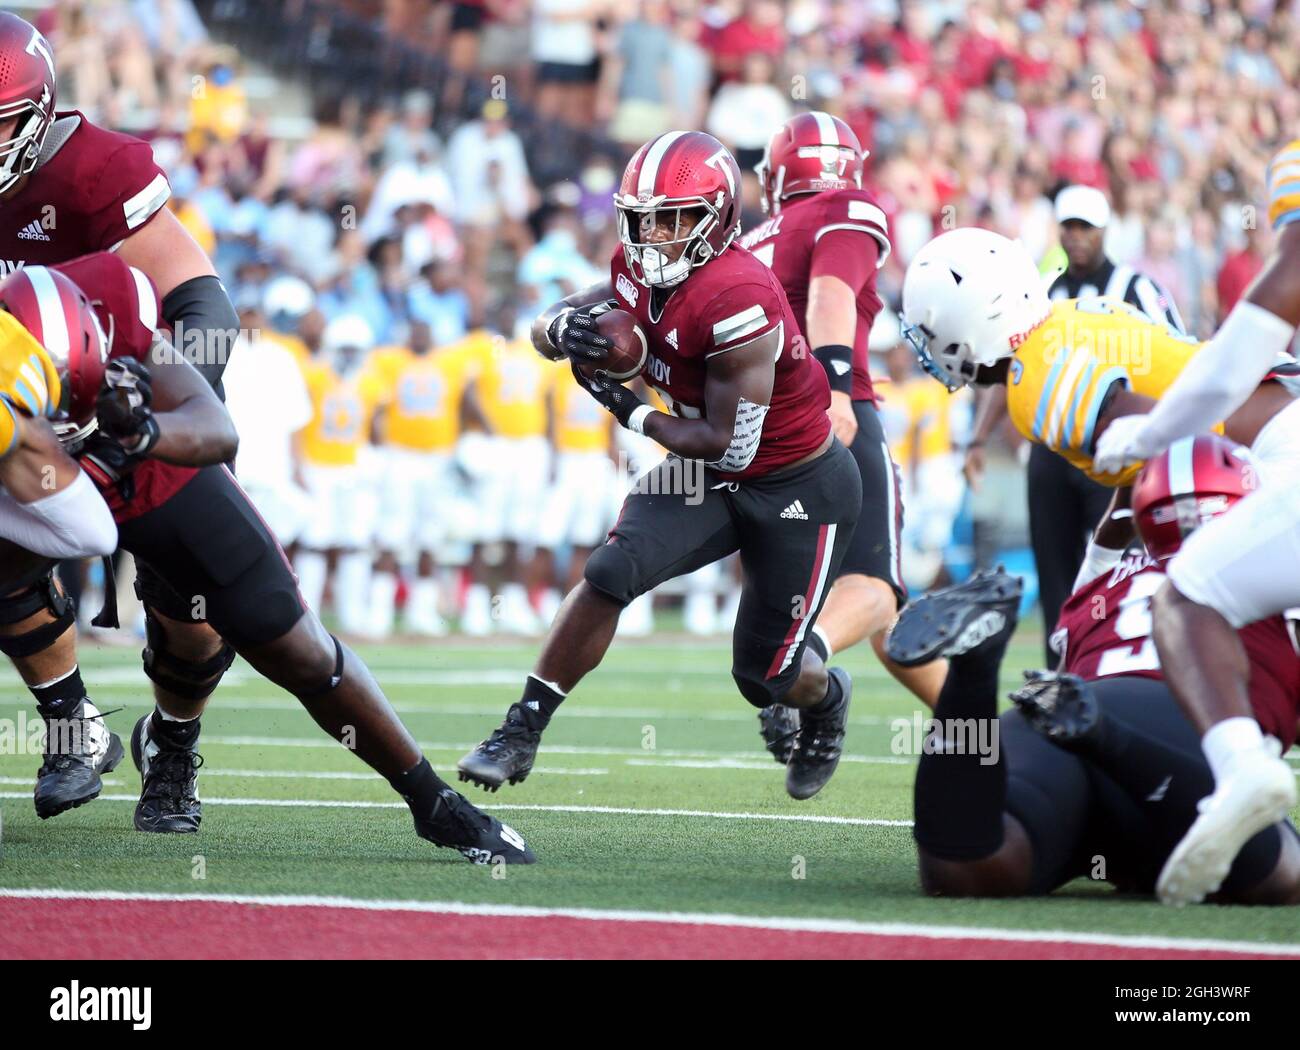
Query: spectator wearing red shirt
[1239,269]
[758,28]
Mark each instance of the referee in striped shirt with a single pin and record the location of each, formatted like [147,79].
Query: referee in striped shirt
[1065,505]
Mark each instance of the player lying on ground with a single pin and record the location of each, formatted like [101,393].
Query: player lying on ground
[824,239]
[1241,568]
[157,449]
[1096,772]
[753,467]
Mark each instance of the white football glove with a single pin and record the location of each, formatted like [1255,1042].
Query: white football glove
[1124,442]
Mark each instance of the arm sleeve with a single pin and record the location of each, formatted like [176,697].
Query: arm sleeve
[1218,379]
[74,522]
[201,307]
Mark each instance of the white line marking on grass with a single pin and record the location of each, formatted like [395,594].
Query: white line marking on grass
[770,922]
[633,752]
[286,803]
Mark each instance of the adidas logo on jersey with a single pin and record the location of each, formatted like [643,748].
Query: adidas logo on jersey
[795,510]
[671,339]
[33,232]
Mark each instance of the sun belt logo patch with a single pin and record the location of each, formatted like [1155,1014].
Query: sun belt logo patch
[626,289]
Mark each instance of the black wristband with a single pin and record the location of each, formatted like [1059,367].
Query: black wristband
[149,434]
[838,362]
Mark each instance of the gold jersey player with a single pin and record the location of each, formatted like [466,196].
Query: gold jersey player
[975,311]
[749,434]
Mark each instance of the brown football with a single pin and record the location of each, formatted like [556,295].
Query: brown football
[630,350]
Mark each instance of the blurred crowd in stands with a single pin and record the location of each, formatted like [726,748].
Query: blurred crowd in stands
[449,192]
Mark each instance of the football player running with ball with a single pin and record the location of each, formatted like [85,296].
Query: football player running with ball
[753,465]
[825,238]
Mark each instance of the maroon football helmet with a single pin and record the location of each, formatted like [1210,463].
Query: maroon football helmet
[1197,479]
[60,317]
[810,153]
[27,92]
[677,172]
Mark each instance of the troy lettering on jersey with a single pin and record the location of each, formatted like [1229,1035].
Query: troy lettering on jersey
[658,371]
[8,266]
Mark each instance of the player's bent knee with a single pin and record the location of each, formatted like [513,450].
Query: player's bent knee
[181,675]
[24,603]
[612,572]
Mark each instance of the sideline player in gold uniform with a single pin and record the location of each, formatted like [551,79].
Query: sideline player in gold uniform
[513,464]
[344,394]
[976,311]
[420,423]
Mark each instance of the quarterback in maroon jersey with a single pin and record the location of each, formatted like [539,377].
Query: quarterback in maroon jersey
[68,188]
[753,465]
[1097,761]
[825,238]
[155,439]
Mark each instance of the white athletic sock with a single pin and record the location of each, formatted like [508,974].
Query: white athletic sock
[383,596]
[311,568]
[1227,742]
[830,651]
[353,589]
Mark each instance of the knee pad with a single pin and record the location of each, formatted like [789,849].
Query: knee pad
[27,601]
[334,679]
[759,691]
[611,570]
[191,679]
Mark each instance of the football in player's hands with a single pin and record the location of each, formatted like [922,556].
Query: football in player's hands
[628,349]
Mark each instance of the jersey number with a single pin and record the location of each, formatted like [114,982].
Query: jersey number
[1131,625]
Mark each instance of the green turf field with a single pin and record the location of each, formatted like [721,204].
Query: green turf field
[658,727]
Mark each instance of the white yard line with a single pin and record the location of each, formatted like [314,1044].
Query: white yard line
[770,922]
[797,818]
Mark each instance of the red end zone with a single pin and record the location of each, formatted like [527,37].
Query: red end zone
[153,929]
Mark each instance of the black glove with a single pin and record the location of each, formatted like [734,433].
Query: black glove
[106,461]
[124,406]
[617,399]
[574,334]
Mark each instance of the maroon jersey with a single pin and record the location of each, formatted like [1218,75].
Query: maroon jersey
[1105,630]
[841,233]
[724,304]
[127,304]
[91,190]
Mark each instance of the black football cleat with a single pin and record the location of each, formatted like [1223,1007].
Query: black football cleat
[481,839]
[79,750]
[818,744]
[1062,707]
[777,725]
[506,756]
[169,801]
[958,619]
